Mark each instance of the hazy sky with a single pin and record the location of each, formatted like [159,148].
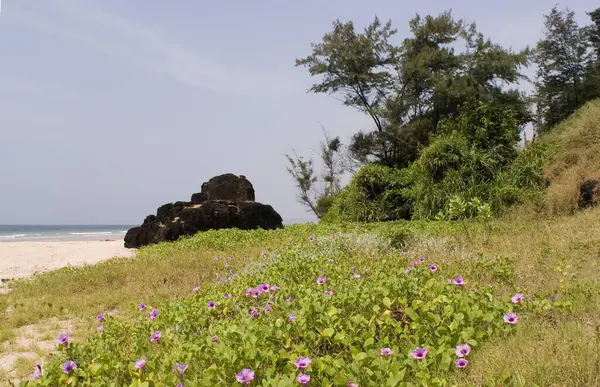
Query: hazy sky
[110,108]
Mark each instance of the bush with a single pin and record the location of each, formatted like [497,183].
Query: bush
[336,302]
[375,193]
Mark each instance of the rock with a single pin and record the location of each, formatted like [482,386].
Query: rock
[589,193]
[225,201]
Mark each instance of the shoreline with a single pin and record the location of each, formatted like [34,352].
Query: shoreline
[21,259]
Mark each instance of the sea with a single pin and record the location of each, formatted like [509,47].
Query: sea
[16,233]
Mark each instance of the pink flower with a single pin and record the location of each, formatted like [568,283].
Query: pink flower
[155,337]
[254,313]
[328,292]
[517,298]
[463,350]
[211,304]
[458,281]
[511,318]
[302,362]
[245,376]
[432,268]
[461,363]
[386,352]
[196,289]
[419,353]
[321,280]
[303,379]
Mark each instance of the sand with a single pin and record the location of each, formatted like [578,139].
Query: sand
[22,259]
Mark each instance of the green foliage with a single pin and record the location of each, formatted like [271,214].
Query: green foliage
[375,193]
[467,159]
[408,89]
[372,307]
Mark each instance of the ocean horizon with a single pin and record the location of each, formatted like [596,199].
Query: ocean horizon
[15,233]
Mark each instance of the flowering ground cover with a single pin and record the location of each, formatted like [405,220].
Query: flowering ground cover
[374,305]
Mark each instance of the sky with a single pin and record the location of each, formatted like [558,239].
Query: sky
[111,108]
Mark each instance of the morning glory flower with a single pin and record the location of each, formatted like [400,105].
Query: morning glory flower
[153,314]
[254,313]
[267,308]
[100,317]
[356,276]
[302,362]
[511,318]
[292,317]
[463,350]
[419,353]
[461,363]
[517,298]
[386,352]
[321,280]
[406,271]
[328,292]
[248,292]
[263,288]
[458,281]
[415,264]
[311,238]
[245,376]
[140,364]
[141,306]
[37,373]
[421,259]
[432,268]
[196,289]
[155,337]
[211,304]
[303,379]
[290,299]
[69,366]
[214,339]
[274,288]
[350,384]
[255,293]
[180,368]
[63,339]
[100,328]
[228,295]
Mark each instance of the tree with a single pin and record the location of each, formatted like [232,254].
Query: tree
[562,57]
[592,72]
[409,88]
[317,192]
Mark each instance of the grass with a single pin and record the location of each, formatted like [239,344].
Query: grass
[554,259]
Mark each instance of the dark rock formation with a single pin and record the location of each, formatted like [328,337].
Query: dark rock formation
[225,201]
[589,193]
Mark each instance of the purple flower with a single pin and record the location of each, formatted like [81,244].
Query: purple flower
[245,376]
[254,313]
[350,384]
[432,267]
[211,304]
[180,368]
[140,364]
[289,299]
[321,280]
[37,373]
[248,292]
[267,308]
[69,366]
[419,353]
[274,288]
[302,362]
[356,276]
[461,363]
[63,339]
[517,298]
[511,318]
[312,238]
[230,278]
[100,317]
[263,288]
[255,293]
[458,281]
[153,314]
[214,339]
[228,295]
[386,352]
[328,292]
[421,259]
[303,379]
[463,350]
[155,337]
[292,317]
[179,385]
[196,289]
[406,271]
[100,328]
[415,264]
[141,306]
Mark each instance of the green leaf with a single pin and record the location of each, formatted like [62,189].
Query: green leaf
[360,356]
[387,302]
[328,332]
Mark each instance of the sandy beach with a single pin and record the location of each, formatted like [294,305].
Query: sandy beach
[22,259]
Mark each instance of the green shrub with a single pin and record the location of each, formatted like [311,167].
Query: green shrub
[370,308]
[375,193]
